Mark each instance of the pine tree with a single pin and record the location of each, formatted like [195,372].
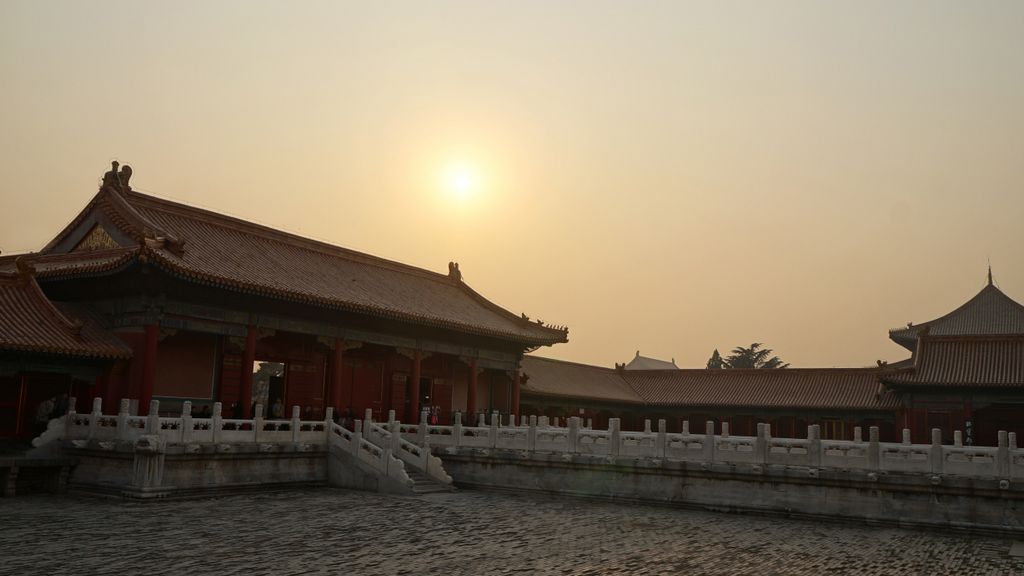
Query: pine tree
[715,362]
[753,357]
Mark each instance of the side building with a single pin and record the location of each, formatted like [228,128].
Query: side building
[188,301]
[965,373]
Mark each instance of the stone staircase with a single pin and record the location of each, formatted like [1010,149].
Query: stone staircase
[422,484]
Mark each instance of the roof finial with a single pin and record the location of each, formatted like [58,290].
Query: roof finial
[990,272]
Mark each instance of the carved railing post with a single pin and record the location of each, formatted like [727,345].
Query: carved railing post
[935,452]
[874,450]
[814,444]
[122,420]
[94,420]
[492,439]
[186,422]
[357,436]
[1003,455]
[395,428]
[574,434]
[709,441]
[661,442]
[423,429]
[511,420]
[531,434]
[906,437]
[614,437]
[481,420]
[958,439]
[295,424]
[686,427]
[725,429]
[257,423]
[761,443]
[590,423]
[858,435]
[153,420]
[367,421]
[216,422]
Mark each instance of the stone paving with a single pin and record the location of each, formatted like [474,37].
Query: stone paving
[329,531]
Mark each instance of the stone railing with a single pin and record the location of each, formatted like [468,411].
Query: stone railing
[414,456]
[80,428]
[1005,461]
[381,460]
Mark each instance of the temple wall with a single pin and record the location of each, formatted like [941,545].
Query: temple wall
[906,500]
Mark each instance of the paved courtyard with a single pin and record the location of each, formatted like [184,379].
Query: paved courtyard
[342,532]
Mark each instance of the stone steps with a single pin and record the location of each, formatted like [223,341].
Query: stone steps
[422,484]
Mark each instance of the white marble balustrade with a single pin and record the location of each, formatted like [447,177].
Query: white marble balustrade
[537,434]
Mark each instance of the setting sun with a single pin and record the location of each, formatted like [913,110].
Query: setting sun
[461,181]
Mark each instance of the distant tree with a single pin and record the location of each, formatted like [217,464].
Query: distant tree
[716,362]
[753,357]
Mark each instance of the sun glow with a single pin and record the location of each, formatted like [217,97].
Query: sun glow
[461,181]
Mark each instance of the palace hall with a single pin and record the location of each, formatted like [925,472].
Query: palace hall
[143,298]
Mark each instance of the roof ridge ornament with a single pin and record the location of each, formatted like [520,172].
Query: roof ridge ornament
[117,178]
[453,271]
[990,273]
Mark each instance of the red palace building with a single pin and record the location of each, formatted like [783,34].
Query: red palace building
[966,372]
[143,298]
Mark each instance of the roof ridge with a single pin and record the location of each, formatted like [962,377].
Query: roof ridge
[560,361]
[987,289]
[247,226]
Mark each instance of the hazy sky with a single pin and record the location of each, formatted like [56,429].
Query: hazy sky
[665,176]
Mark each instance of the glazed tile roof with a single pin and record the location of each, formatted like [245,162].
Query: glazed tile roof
[798,388]
[548,377]
[29,322]
[646,363]
[211,248]
[995,362]
[802,388]
[990,312]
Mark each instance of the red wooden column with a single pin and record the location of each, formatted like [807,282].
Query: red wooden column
[152,334]
[414,388]
[336,372]
[471,393]
[514,408]
[20,414]
[245,395]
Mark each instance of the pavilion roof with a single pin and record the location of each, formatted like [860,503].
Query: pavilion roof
[30,322]
[210,248]
[793,388]
[977,362]
[647,363]
[989,312]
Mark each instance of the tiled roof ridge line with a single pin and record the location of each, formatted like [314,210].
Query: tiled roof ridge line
[500,310]
[670,371]
[120,211]
[246,226]
[157,257]
[988,288]
[78,219]
[560,361]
